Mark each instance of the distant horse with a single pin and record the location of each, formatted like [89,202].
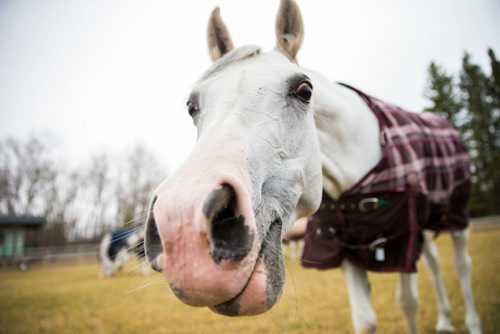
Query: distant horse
[116,247]
[271,136]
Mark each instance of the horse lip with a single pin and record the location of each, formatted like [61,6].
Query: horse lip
[231,306]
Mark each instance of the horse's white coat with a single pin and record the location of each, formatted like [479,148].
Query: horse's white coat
[348,134]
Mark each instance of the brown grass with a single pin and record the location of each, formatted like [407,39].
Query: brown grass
[70,299]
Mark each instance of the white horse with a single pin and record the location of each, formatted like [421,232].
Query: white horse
[268,143]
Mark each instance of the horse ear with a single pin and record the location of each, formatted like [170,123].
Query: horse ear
[289,28]
[218,37]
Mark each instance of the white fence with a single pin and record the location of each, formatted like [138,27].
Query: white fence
[86,253]
[75,253]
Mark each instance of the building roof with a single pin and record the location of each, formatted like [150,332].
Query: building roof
[27,221]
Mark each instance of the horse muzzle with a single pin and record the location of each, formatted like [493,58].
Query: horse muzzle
[202,235]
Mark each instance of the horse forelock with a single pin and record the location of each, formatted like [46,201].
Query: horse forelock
[231,57]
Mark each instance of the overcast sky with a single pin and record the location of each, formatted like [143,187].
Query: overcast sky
[103,75]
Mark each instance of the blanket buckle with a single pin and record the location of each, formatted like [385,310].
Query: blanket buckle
[368,204]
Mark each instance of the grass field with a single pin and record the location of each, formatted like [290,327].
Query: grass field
[70,299]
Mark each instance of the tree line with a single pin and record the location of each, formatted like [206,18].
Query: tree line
[471,101]
[80,203]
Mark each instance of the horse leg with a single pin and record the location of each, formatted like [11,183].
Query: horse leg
[464,267]
[121,259]
[407,295]
[363,316]
[105,261]
[300,248]
[292,248]
[145,268]
[296,248]
[432,259]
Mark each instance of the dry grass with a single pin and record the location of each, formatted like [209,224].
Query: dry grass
[71,299]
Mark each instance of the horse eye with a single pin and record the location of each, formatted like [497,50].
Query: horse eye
[192,108]
[304,91]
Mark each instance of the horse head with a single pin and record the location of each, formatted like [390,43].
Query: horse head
[215,227]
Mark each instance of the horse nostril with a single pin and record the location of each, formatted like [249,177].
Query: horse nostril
[152,241]
[230,237]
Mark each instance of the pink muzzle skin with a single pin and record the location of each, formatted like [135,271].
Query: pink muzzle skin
[199,272]
[219,259]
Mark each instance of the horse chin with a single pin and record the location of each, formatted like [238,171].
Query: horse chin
[265,285]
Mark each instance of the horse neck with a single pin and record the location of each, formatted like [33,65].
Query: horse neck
[348,134]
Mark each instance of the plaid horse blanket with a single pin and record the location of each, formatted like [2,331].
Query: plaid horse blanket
[421,182]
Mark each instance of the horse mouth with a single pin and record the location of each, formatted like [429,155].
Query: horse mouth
[265,284]
[240,284]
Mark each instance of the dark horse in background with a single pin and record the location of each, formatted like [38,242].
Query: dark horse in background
[116,247]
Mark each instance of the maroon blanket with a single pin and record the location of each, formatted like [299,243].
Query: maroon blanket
[421,182]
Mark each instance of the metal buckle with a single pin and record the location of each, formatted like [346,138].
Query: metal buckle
[374,244]
[368,204]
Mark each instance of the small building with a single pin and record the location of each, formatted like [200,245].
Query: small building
[13,235]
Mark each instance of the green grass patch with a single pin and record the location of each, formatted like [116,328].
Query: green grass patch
[70,299]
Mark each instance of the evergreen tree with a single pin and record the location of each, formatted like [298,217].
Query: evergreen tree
[480,130]
[441,91]
[473,106]
[495,78]
[494,94]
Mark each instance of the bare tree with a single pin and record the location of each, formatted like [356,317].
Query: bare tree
[26,171]
[60,207]
[139,176]
[79,204]
[33,182]
[98,198]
